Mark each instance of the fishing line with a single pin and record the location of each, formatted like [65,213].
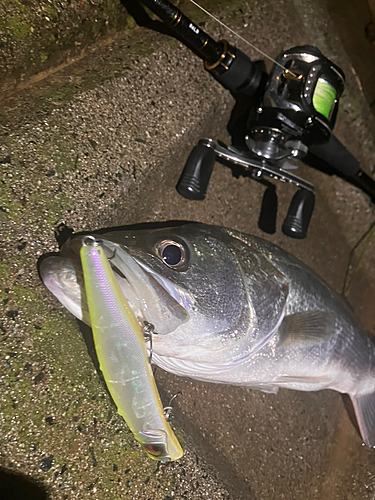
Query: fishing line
[367,238]
[243,39]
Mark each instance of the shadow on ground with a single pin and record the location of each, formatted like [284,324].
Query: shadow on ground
[20,487]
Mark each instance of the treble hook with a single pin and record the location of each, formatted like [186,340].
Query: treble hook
[168,410]
[113,255]
[148,332]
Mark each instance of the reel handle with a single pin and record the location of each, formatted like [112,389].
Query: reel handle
[268,211]
[196,175]
[299,214]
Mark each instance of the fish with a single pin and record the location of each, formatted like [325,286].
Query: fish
[231,308]
[121,351]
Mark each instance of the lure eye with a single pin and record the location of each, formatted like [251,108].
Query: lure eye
[154,450]
[157,451]
[172,253]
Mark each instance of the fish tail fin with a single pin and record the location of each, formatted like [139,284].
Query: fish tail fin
[364,407]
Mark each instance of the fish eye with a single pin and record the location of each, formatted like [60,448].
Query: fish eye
[172,253]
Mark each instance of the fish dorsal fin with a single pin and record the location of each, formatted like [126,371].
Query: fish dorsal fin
[312,327]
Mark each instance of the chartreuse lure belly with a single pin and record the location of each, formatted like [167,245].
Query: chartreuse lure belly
[122,355]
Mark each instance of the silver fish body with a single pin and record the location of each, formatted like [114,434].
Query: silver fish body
[232,308]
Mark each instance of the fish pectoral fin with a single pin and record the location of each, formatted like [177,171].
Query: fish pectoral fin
[312,327]
[364,408]
[269,389]
[291,379]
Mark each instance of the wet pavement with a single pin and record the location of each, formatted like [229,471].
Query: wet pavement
[101,143]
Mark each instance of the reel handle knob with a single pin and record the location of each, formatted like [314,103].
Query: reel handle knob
[299,214]
[268,211]
[196,175]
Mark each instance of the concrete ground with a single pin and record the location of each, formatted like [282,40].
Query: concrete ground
[354,22]
[101,143]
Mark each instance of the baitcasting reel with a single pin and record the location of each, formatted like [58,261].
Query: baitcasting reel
[297,111]
[288,115]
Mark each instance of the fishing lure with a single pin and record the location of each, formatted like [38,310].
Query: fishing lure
[122,355]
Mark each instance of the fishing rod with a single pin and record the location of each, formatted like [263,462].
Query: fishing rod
[287,115]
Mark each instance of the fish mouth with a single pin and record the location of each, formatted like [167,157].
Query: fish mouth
[64,279]
[152,297]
